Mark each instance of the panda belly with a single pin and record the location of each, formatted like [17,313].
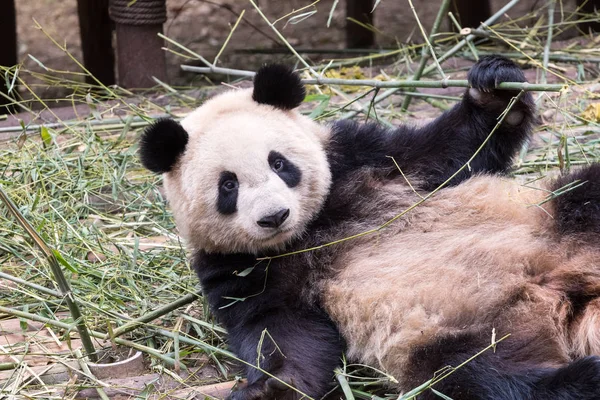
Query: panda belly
[466,259]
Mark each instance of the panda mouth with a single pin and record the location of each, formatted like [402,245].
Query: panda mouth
[282,232]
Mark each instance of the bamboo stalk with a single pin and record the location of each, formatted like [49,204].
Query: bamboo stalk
[445,56]
[30,285]
[86,370]
[460,29]
[424,54]
[445,83]
[428,45]
[551,57]
[62,282]
[99,335]
[159,312]
[282,38]
[469,38]
[136,122]
[545,60]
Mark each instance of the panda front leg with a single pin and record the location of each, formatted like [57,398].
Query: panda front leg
[445,145]
[299,349]
[439,149]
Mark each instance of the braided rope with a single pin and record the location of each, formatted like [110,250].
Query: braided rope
[141,12]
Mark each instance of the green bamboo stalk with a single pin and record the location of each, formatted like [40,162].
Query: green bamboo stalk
[228,37]
[8,366]
[464,42]
[445,83]
[159,312]
[30,285]
[444,57]
[551,56]
[99,335]
[62,282]
[283,39]
[424,55]
[545,60]
[86,370]
[136,122]
[460,29]
[427,42]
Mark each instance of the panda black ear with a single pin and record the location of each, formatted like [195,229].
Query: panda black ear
[278,86]
[161,144]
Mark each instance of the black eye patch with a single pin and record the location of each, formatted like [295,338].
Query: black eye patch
[287,171]
[228,193]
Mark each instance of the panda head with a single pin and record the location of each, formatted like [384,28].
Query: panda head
[245,172]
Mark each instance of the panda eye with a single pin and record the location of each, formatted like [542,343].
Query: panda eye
[278,165]
[229,185]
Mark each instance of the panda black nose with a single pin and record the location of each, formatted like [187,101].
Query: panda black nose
[275,220]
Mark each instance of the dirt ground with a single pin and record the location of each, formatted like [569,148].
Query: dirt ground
[203,26]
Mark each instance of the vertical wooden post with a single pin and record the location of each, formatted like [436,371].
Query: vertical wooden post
[8,33]
[470,13]
[139,53]
[95,28]
[356,35]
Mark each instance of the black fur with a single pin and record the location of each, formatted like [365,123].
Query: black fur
[227,200]
[510,372]
[436,151]
[278,86]
[161,144]
[578,204]
[302,346]
[288,172]
[492,70]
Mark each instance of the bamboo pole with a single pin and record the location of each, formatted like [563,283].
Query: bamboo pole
[444,83]
[424,54]
[444,57]
[99,335]
[61,281]
[546,58]
[159,312]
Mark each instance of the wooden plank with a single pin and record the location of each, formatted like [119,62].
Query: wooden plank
[52,374]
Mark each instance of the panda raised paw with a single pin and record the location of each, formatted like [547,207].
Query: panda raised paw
[485,76]
[490,71]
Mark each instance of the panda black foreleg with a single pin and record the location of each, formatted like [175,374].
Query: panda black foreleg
[439,149]
[299,347]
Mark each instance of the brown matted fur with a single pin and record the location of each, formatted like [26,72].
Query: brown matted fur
[482,255]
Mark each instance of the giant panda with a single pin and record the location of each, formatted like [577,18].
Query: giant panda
[294,233]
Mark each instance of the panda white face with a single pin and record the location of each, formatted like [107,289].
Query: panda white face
[251,176]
